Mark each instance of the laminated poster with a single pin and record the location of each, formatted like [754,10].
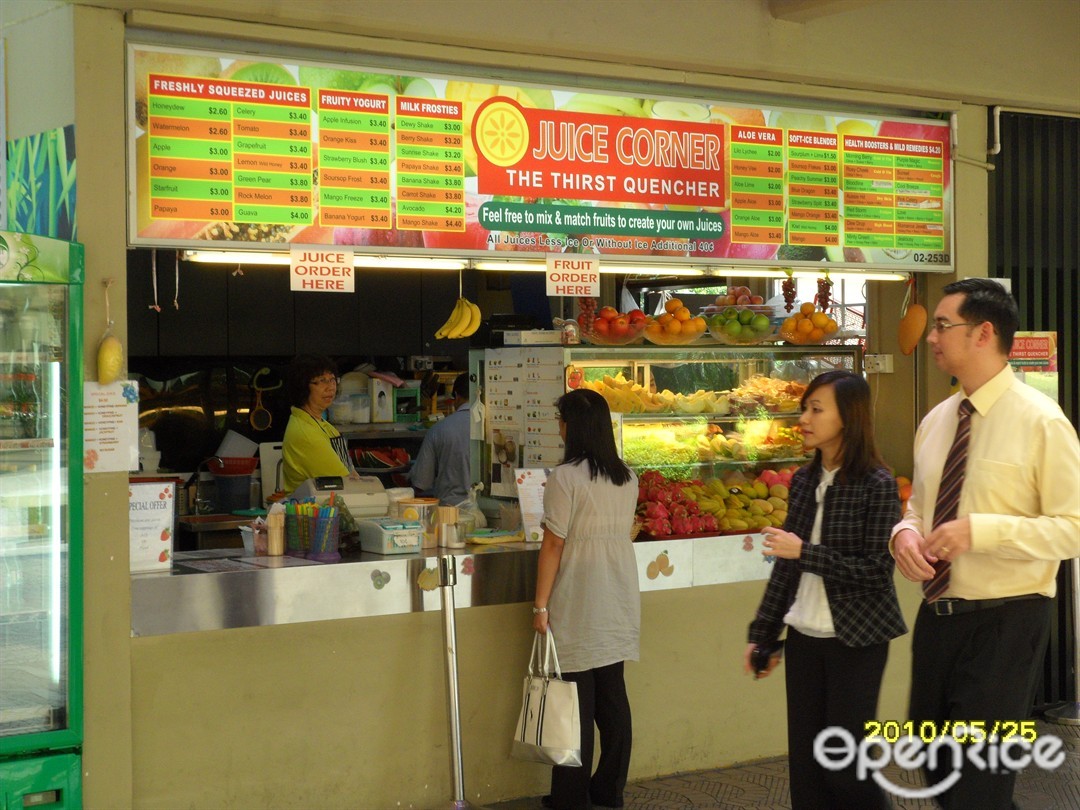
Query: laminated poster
[151,524]
[530,492]
[111,426]
[262,152]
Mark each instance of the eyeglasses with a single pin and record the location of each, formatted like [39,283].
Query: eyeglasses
[940,325]
[325,381]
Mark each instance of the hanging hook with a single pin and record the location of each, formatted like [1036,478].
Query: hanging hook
[176,292]
[153,275]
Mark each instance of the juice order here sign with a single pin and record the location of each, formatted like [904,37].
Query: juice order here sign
[263,153]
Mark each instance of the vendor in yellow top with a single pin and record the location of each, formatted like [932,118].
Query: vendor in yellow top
[312,447]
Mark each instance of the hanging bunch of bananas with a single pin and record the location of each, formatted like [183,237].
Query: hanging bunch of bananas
[463,321]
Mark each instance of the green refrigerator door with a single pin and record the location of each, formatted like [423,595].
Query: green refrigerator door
[41,783]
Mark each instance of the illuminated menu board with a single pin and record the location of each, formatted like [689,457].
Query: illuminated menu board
[266,153]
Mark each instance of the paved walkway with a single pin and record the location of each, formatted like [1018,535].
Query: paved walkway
[763,785]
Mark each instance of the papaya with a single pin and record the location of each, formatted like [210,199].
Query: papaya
[912,327]
[110,360]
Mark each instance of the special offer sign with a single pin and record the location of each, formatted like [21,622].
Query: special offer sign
[231,150]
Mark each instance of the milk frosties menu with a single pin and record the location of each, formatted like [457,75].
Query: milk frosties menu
[230,151]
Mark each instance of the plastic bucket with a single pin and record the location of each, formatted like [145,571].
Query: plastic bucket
[232,492]
[421,510]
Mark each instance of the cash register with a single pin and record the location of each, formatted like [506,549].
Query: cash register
[364,497]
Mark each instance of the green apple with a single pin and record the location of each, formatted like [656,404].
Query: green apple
[745,316]
[761,323]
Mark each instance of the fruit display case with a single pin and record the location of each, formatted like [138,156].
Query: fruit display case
[711,432]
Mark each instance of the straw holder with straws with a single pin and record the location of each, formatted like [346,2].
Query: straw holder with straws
[312,530]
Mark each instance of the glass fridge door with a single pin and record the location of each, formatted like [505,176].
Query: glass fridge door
[40,392]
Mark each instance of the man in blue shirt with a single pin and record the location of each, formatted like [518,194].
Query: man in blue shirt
[442,465]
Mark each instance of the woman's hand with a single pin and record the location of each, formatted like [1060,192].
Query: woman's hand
[779,543]
[748,667]
[540,622]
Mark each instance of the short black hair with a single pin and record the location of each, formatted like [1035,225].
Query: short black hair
[986,300]
[302,370]
[461,386]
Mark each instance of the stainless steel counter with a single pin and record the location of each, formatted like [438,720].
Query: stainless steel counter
[220,590]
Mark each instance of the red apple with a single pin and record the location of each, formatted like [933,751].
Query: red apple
[620,327]
[601,326]
[607,313]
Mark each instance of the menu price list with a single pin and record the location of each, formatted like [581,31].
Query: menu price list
[757,185]
[813,208]
[354,160]
[429,148]
[893,193]
[223,150]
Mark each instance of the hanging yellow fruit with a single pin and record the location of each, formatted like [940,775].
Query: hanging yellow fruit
[110,360]
[912,327]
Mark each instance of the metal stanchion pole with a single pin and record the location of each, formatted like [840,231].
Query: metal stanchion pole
[1069,714]
[447,581]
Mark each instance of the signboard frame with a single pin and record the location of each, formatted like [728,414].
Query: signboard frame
[625,177]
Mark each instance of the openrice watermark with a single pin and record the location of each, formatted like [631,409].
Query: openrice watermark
[836,748]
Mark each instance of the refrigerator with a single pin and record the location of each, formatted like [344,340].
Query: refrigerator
[40,522]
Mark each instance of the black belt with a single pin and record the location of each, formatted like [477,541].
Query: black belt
[951,607]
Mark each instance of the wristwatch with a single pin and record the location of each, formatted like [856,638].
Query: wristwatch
[537,610]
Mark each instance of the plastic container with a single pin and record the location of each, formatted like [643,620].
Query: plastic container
[361,407]
[423,511]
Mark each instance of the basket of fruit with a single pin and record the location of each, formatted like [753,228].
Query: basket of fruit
[809,326]
[742,325]
[677,326]
[609,327]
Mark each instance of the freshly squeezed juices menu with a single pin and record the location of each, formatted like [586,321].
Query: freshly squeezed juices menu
[266,153]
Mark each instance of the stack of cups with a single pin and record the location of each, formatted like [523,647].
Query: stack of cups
[446,527]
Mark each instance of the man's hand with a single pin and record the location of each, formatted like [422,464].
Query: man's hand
[949,540]
[910,558]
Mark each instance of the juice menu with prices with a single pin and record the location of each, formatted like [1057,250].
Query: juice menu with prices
[268,153]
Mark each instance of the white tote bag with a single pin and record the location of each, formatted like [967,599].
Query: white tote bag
[549,726]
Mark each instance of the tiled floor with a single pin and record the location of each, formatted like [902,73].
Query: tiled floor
[764,785]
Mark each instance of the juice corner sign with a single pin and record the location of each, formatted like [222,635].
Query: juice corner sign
[573,275]
[313,270]
[255,152]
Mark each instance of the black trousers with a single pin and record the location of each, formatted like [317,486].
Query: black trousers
[980,666]
[602,700]
[830,684]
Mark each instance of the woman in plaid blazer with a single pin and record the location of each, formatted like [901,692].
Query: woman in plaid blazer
[832,585]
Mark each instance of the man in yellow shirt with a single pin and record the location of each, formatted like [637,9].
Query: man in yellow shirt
[1009,512]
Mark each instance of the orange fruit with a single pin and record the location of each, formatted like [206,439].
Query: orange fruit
[816,334]
[819,319]
[788,325]
[830,327]
[673,327]
[682,314]
[807,309]
[663,319]
[654,328]
[699,324]
[672,305]
[805,327]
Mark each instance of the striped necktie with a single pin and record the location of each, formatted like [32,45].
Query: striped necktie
[948,497]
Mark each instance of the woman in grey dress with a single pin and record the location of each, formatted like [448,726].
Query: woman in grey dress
[587,593]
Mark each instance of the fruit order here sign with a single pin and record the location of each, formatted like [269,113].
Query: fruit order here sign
[577,276]
[231,151]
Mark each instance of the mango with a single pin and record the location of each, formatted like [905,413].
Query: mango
[779,491]
[778,503]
